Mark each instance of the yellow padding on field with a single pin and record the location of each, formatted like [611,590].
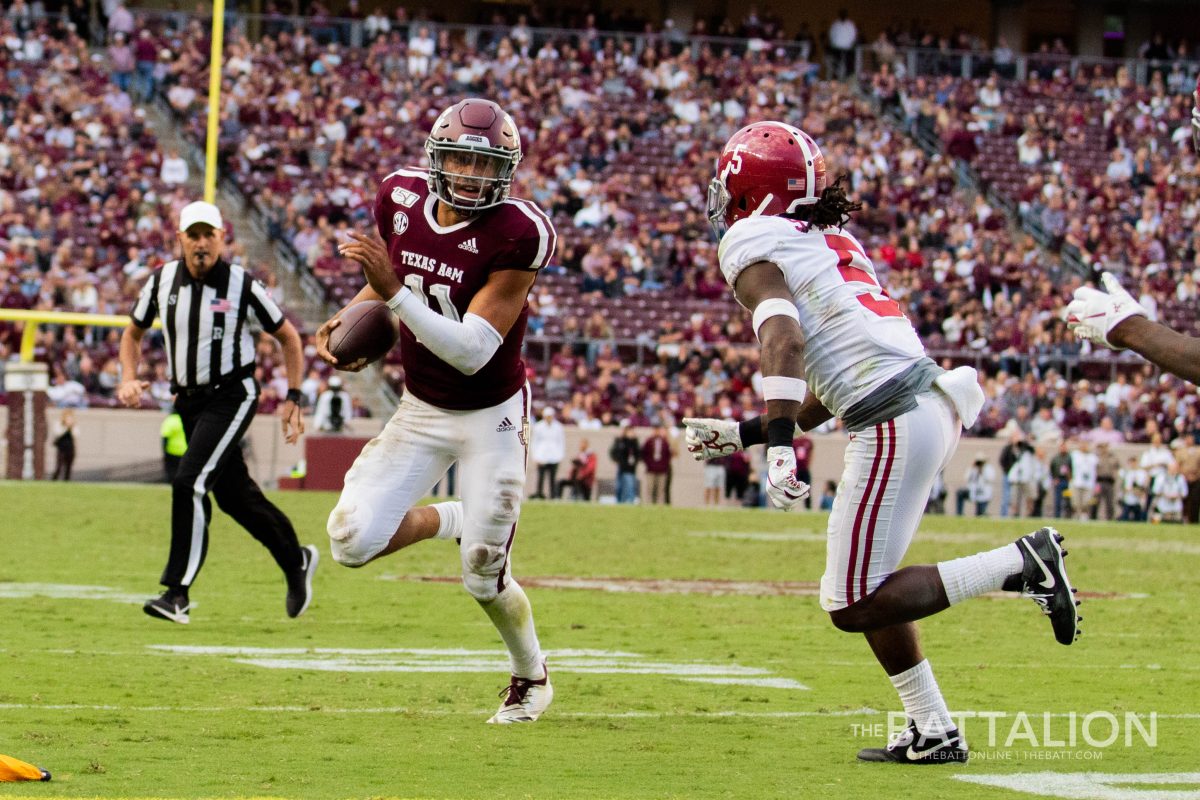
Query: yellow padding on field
[13,769]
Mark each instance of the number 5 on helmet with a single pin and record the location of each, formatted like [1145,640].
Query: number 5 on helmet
[766,169]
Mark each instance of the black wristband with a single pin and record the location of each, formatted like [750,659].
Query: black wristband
[751,432]
[779,432]
[294,396]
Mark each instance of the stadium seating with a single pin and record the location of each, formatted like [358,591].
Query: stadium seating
[1107,172]
[85,212]
[633,158]
[619,146]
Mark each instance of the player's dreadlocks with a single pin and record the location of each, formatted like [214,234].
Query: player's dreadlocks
[832,210]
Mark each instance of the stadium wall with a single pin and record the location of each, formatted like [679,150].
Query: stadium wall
[124,445]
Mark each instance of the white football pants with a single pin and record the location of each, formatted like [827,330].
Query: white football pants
[889,471]
[412,453]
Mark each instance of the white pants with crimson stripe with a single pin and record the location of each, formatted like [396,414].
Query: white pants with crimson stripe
[412,453]
[889,471]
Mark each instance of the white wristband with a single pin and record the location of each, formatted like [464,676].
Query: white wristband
[398,299]
[773,307]
[781,387]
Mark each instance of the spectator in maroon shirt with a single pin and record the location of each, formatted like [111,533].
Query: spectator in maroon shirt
[328,263]
[146,52]
[710,285]
[121,61]
[737,475]
[657,454]
[583,473]
[1077,418]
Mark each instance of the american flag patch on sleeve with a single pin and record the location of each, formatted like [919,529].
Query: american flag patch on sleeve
[220,306]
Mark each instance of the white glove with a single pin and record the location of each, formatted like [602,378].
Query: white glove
[1093,314]
[708,438]
[783,487]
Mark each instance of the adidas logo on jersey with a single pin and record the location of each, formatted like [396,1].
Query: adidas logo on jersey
[505,425]
[470,246]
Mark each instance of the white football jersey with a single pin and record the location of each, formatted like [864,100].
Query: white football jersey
[856,337]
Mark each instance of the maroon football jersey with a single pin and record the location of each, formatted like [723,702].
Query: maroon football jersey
[446,267]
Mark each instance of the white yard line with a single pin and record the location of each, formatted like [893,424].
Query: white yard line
[309,709]
[75,707]
[1094,785]
[761,683]
[435,652]
[582,661]
[67,591]
[456,660]
[950,663]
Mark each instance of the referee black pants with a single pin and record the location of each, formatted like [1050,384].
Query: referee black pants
[215,423]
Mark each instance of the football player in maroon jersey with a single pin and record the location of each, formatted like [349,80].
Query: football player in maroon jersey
[455,258]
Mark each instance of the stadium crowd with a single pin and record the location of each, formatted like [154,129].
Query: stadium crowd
[620,155]
[633,323]
[1103,166]
[88,203]
[1083,477]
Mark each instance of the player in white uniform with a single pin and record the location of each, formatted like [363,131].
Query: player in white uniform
[834,344]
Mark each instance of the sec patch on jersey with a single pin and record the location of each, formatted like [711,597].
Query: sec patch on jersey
[368,330]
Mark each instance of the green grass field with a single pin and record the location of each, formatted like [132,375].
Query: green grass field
[677,690]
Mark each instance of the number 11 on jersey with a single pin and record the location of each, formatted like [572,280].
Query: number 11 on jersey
[440,292]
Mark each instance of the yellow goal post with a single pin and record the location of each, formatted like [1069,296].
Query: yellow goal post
[33,319]
[216,59]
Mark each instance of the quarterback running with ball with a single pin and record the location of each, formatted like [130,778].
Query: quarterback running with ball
[456,260]
[833,343]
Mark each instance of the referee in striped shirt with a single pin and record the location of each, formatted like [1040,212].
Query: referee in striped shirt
[207,306]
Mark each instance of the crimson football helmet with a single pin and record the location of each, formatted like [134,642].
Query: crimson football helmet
[473,149]
[766,168]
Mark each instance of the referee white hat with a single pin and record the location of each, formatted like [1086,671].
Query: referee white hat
[200,211]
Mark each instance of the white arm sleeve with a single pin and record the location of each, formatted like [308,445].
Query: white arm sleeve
[467,346]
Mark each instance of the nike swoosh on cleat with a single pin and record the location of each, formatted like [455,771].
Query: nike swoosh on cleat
[1048,583]
[917,755]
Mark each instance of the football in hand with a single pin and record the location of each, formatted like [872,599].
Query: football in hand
[368,330]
